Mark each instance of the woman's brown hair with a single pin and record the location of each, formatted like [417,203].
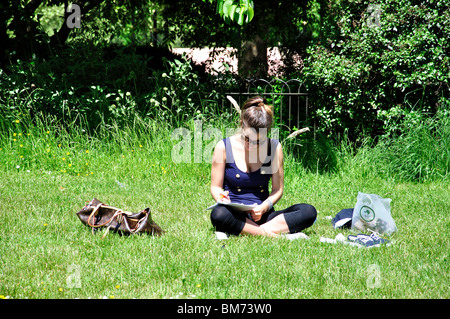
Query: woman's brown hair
[256,113]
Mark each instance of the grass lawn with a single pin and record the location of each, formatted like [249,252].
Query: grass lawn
[46,252]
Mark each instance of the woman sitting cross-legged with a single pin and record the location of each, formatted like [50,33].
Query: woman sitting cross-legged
[242,166]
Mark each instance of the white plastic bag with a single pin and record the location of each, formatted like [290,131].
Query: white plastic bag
[373,212]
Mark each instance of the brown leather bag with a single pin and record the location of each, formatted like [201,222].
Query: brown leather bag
[97,214]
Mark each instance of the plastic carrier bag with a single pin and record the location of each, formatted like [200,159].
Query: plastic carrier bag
[373,212]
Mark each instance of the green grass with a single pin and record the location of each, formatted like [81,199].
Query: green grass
[43,245]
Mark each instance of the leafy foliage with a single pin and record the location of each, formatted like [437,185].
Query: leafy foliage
[370,61]
[97,86]
[241,11]
[371,70]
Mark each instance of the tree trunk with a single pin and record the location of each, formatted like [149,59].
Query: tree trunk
[252,58]
[252,61]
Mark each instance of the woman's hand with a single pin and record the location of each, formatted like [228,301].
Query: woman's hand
[223,197]
[258,211]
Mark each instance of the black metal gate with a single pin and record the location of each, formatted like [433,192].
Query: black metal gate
[289,99]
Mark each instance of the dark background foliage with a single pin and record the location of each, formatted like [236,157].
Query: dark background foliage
[373,69]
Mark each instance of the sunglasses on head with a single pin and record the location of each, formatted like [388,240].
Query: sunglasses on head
[248,140]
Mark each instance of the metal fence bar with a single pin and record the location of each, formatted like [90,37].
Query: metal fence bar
[293,98]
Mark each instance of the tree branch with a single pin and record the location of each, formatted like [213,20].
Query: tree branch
[61,36]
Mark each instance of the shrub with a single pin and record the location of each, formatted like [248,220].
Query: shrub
[370,61]
[179,95]
[76,84]
[93,85]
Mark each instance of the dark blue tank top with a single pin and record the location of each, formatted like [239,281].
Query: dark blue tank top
[252,187]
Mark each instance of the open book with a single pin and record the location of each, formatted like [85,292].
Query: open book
[235,206]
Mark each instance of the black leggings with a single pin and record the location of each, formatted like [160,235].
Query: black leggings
[298,217]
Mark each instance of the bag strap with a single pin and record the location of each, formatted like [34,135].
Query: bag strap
[93,214]
[118,212]
[119,215]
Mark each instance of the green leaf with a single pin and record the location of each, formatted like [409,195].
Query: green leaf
[226,19]
[232,11]
[220,7]
[250,14]
[241,16]
[227,8]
